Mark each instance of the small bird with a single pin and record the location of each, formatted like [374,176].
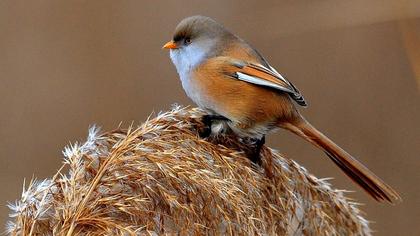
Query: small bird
[234,84]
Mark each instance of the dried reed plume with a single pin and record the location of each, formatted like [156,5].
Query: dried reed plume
[161,178]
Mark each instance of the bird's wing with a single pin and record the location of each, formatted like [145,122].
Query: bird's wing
[263,76]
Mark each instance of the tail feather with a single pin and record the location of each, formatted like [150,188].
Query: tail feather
[360,174]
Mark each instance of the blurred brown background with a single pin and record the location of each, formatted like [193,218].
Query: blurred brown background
[67,64]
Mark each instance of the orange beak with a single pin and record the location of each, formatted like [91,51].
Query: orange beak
[170,45]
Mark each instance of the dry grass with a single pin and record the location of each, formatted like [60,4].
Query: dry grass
[161,178]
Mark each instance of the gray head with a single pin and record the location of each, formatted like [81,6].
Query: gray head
[195,39]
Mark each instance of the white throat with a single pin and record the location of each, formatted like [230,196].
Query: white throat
[187,58]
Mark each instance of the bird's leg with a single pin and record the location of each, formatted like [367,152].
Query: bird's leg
[255,155]
[208,121]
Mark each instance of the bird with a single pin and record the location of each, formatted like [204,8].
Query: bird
[230,80]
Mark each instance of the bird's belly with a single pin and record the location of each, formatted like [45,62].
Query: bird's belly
[196,92]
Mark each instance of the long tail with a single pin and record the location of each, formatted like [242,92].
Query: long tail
[360,174]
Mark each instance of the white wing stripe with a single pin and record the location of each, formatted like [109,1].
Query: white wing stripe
[256,80]
[278,74]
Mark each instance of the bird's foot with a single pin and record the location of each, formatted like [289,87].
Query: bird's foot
[254,154]
[208,121]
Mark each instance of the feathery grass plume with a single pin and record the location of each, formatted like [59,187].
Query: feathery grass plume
[161,178]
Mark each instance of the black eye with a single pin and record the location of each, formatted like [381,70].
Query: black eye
[187,41]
